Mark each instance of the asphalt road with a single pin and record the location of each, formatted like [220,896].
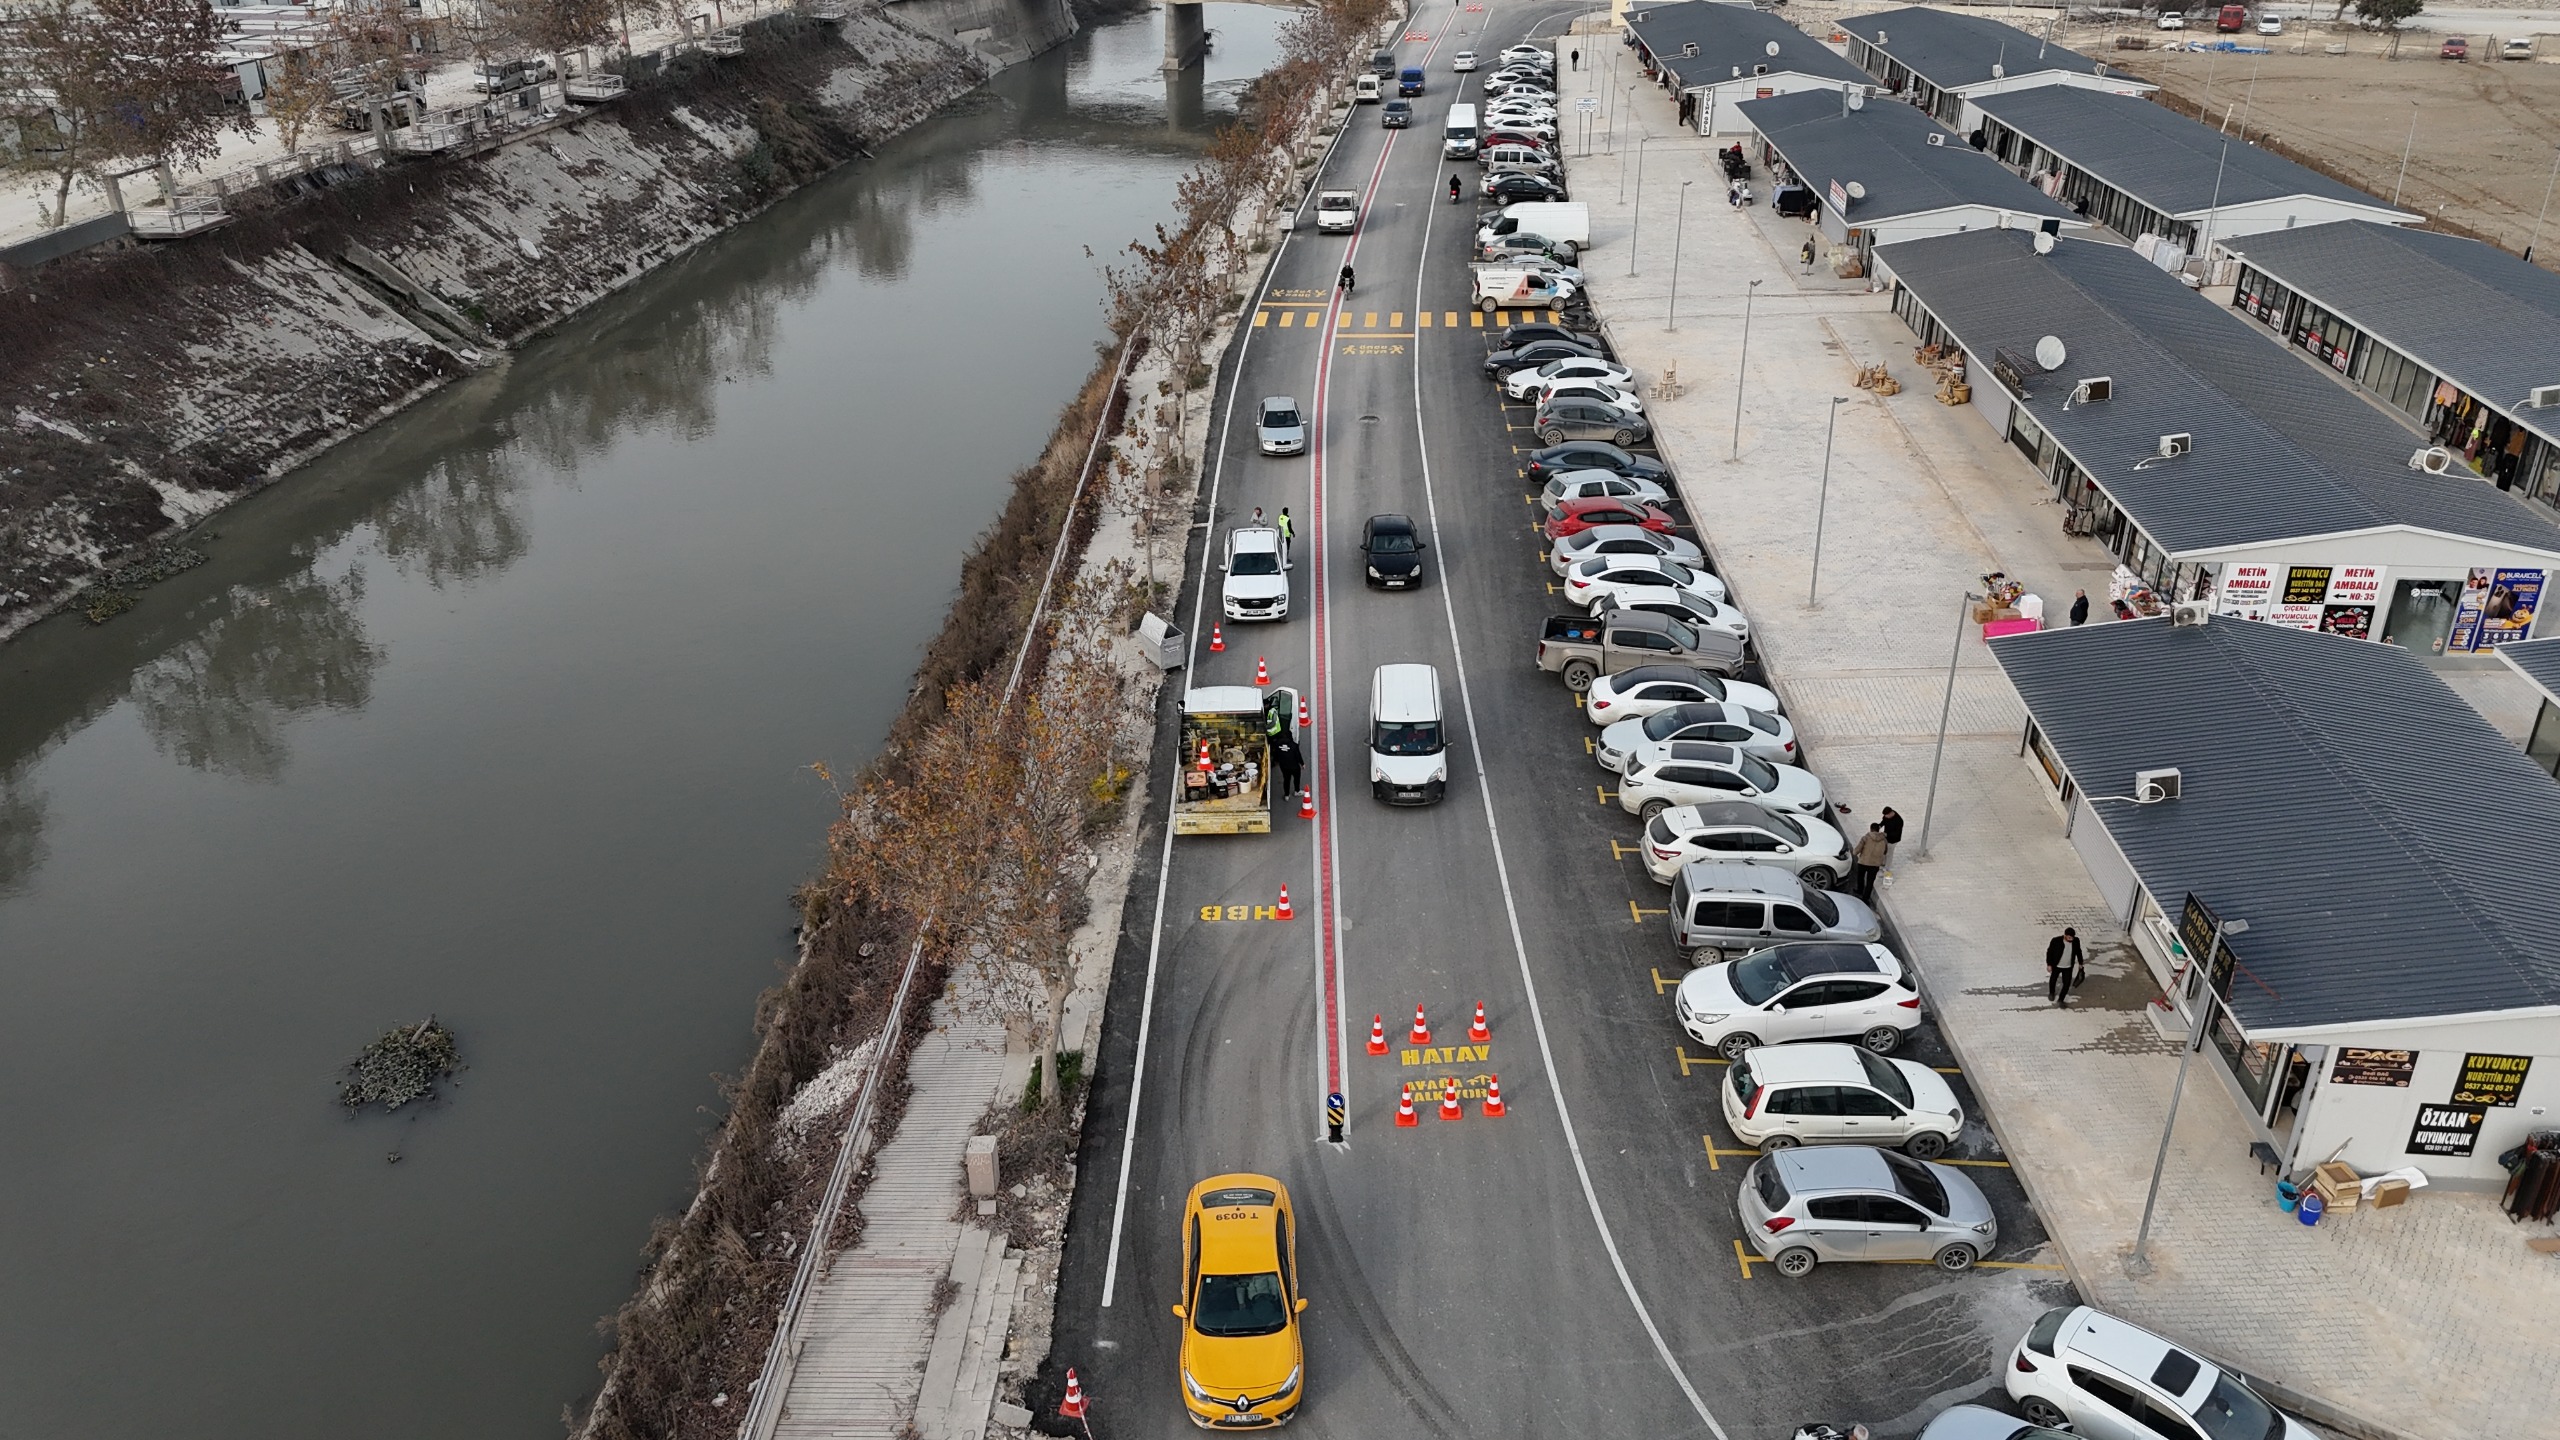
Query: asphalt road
[1570,1268]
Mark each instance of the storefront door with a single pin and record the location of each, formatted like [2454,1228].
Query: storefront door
[2421,615]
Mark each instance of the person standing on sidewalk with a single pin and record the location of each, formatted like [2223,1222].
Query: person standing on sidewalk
[1807,255]
[1866,860]
[1577,59]
[1891,820]
[2080,608]
[2064,965]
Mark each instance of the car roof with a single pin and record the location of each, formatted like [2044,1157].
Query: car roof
[1833,1167]
[1253,537]
[1279,402]
[1390,524]
[1239,1222]
[2127,1347]
[1805,958]
[1647,674]
[1832,1064]
[1740,877]
[1584,504]
[1708,752]
[1731,813]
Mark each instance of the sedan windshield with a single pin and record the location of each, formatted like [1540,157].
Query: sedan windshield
[1919,1183]
[2234,1412]
[1758,977]
[1254,562]
[1390,544]
[1240,1305]
[1762,775]
[1280,419]
[1885,1076]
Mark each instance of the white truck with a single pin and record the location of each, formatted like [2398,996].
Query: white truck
[1226,758]
[1567,222]
[1517,287]
[1257,574]
[1337,211]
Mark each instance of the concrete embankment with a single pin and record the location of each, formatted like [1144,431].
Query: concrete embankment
[145,389]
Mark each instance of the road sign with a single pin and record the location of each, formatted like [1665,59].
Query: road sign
[1586,103]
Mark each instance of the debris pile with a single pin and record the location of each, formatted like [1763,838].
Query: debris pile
[402,1066]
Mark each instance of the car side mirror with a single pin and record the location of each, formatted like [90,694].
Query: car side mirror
[1302,1306]
[1182,1312]
[1421,545]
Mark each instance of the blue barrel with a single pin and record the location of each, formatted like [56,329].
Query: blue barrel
[2312,1205]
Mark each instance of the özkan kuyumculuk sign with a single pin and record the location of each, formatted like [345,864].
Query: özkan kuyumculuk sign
[2356,1066]
[2491,1079]
[2446,1128]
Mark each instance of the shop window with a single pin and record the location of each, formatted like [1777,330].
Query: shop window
[2051,765]
[2543,746]
[2326,336]
[2252,1062]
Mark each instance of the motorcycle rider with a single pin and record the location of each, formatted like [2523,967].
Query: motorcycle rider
[1453,189]
[1345,282]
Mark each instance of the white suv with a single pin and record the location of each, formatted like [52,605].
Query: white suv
[1257,568]
[1780,1096]
[1809,990]
[1603,577]
[1665,773]
[2109,1379]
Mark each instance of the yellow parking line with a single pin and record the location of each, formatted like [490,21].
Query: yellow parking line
[1660,985]
[1475,319]
[1606,794]
[1616,850]
[1261,318]
[1452,319]
[1984,1164]
[1639,912]
[1395,320]
[1742,1254]
[1713,1153]
[1590,749]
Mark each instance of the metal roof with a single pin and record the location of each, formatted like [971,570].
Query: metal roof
[2537,661]
[1885,148]
[2477,316]
[1950,50]
[2396,857]
[2281,452]
[1729,37]
[2159,157]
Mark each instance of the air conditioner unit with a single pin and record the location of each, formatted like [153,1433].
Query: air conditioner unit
[1759,69]
[2543,397]
[2095,388]
[2435,460]
[1689,51]
[2150,787]
[1937,139]
[2173,446]
[2187,614]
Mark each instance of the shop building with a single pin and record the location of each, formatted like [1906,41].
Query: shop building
[2141,169]
[1882,173]
[2173,439]
[2462,338]
[1713,56]
[2538,661]
[1943,62]
[2360,921]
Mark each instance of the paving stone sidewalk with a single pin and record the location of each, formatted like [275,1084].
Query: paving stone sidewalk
[2384,1323]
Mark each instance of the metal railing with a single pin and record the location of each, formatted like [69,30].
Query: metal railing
[180,216]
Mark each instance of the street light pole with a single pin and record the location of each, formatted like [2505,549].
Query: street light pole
[2405,147]
[2139,1262]
[1822,506]
[1929,812]
[2542,214]
[1741,367]
[1635,227]
[1671,312]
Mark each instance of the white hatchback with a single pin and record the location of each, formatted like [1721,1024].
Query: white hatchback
[1634,694]
[1613,577]
[1781,1096]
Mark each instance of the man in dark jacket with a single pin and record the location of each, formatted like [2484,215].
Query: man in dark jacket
[2064,965]
[2080,608]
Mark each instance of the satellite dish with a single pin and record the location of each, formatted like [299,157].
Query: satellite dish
[1856,190]
[1857,99]
[1773,47]
[2049,352]
[2044,246]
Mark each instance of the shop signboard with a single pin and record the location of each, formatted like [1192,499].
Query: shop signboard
[2491,1079]
[2248,591]
[2353,621]
[2295,617]
[2355,585]
[2497,608]
[2357,1066]
[2338,599]
[2447,1128]
[2307,584]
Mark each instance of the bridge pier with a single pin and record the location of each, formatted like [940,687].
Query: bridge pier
[1186,33]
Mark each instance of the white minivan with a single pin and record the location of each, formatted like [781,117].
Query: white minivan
[1461,141]
[1364,91]
[1408,739]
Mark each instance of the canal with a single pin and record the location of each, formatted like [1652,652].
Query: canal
[505,713]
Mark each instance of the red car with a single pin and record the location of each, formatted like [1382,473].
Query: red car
[1572,517]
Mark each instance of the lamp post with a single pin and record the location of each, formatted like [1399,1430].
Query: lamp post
[2139,1262]
[2405,147]
[1823,505]
[1946,708]
[1741,366]
[1635,226]
[1671,312]
[2545,212]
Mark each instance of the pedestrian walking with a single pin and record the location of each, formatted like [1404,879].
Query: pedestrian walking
[1891,820]
[1288,760]
[2080,607]
[1733,194]
[2064,965]
[1866,860]
[1807,255]
[1577,59]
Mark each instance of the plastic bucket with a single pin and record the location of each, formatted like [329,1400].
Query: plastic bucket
[2287,1196]
[2312,1206]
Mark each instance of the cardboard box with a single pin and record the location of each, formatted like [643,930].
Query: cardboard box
[2387,1193]
[2338,1186]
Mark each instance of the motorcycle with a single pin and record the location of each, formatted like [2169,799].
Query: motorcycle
[1816,1430]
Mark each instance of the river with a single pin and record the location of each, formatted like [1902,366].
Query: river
[505,712]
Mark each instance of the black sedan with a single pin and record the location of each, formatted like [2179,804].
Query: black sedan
[1517,186]
[1536,353]
[1393,550]
[1515,336]
[1555,460]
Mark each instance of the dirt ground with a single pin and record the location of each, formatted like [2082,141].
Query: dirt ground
[2487,133]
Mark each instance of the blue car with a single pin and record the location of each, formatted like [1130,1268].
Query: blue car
[1410,82]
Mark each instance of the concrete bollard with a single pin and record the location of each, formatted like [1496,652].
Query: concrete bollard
[978,1163]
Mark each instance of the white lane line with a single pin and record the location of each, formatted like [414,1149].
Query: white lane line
[1510,905]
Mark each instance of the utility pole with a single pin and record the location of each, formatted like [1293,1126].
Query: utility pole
[1822,506]
[2405,147]
[1742,366]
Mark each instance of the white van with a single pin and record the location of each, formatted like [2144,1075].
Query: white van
[1517,286]
[1337,211]
[1408,739]
[1461,141]
[1364,91]
[1521,157]
[1567,221]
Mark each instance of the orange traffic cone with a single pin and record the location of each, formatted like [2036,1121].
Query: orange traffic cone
[1421,1027]
[1073,1406]
[1378,1035]
[1204,754]
[1261,671]
[1493,1098]
[1307,803]
[1477,1031]
[1303,722]
[1450,1109]
[1217,638]
[1405,1118]
[1285,912]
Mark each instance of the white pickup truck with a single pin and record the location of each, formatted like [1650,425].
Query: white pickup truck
[1337,211]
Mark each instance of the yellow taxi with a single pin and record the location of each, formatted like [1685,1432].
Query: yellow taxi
[1242,1364]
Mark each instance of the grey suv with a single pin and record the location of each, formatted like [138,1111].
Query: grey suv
[1804,1206]
[1562,420]
[1734,905]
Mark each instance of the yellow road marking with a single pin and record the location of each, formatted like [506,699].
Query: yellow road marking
[1621,852]
[1984,1164]
[1640,912]
[1742,1253]
[1606,794]
[1475,319]
[1660,985]
[1261,318]
[1714,1154]
[1289,317]
[1589,749]
[1370,319]
[1450,319]
[1373,334]
[1681,1052]
[1395,319]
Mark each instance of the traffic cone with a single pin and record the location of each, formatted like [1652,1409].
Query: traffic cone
[1450,1109]
[1303,722]
[1421,1027]
[1307,804]
[1285,912]
[1204,754]
[1378,1035]
[1493,1098]
[1261,671]
[1405,1118]
[1217,638]
[1073,1406]
[1477,1030]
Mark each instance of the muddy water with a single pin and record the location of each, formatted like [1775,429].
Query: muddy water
[505,713]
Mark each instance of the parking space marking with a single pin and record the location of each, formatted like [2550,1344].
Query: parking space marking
[1261,317]
[1606,794]
[1681,1051]
[1616,850]
[1978,1164]
[1660,985]
[1743,1256]
[1640,912]
[1714,1154]
[1475,319]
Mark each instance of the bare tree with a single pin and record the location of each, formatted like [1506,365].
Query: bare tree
[298,93]
[102,83]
